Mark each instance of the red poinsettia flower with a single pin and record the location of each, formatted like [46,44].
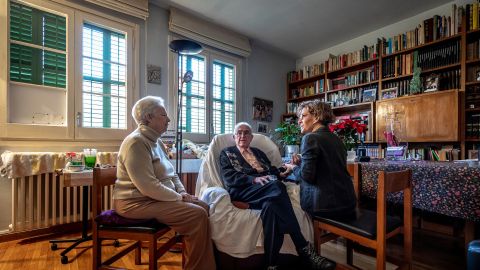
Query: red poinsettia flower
[349,131]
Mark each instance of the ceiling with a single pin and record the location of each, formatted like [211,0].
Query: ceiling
[302,27]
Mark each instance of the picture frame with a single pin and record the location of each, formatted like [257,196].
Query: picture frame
[389,93]
[369,95]
[262,110]
[472,154]
[431,83]
[262,127]
[154,74]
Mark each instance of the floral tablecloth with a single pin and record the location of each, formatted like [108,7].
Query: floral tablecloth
[447,188]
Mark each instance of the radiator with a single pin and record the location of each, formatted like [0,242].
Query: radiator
[41,201]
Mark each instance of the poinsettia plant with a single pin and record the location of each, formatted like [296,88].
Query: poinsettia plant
[349,131]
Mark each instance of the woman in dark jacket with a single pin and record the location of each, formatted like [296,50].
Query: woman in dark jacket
[326,188]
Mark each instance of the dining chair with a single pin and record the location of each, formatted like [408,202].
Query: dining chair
[121,228]
[372,228]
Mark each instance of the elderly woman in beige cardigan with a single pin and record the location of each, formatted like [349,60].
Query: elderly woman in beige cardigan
[147,186]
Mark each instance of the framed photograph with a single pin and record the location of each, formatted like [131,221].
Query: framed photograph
[262,110]
[369,95]
[431,83]
[472,154]
[262,127]
[389,93]
[153,74]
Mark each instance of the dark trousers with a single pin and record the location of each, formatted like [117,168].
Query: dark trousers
[277,216]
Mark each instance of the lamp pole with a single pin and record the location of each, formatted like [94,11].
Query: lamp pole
[182,47]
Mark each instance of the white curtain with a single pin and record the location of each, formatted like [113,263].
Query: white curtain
[208,33]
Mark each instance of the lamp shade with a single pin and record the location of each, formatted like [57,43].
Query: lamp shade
[185,47]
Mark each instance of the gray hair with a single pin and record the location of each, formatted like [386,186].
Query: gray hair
[144,107]
[238,125]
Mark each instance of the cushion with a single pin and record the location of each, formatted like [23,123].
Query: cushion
[111,218]
[365,223]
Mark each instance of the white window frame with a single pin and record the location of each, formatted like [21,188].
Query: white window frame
[210,56]
[103,133]
[75,15]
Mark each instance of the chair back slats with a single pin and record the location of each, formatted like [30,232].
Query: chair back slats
[101,177]
[351,169]
[395,181]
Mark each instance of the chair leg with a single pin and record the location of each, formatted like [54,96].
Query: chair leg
[381,257]
[316,236]
[138,253]
[97,253]
[349,252]
[152,255]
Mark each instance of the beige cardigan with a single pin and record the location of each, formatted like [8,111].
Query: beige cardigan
[143,168]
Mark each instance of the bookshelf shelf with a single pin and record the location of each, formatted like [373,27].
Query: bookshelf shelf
[307,80]
[472,110]
[352,87]
[299,99]
[429,44]
[457,65]
[397,78]
[353,67]
[354,107]
[472,61]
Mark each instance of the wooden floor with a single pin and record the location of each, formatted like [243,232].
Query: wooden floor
[431,251]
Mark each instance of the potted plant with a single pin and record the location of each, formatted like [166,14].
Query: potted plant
[287,136]
[350,132]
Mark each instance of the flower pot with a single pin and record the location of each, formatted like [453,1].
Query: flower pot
[351,155]
[291,150]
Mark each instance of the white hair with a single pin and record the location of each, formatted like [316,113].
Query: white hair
[145,107]
[237,126]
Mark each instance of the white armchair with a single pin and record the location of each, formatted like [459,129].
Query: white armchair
[238,232]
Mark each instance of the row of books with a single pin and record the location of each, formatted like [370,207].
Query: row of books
[439,55]
[402,86]
[306,72]
[397,66]
[446,80]
[446,153]
[315,88]
[472,17]
[431,29]
[367,53]
[473,73]
[472,99]
[473,49]
[473,126]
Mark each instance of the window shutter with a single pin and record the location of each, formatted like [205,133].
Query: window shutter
[223,98]
[37,46]
[104,78]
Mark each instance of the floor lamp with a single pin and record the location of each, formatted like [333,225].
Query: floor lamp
[182,47]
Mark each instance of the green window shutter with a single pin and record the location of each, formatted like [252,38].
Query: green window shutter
[223,98]
[104,96]
[32,61]
[193,94]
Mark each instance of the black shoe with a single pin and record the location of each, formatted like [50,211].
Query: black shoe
[315,261]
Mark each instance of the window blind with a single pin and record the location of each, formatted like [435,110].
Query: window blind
[37,46]
[104,92]
[223,98]
[194,95]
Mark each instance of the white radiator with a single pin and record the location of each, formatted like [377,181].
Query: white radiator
[41,201]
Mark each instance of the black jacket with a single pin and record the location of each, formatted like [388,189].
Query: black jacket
[237,173]
[326,188]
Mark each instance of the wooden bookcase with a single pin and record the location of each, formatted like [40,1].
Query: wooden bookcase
[444,116]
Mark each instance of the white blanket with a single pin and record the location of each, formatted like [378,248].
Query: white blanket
[238,232]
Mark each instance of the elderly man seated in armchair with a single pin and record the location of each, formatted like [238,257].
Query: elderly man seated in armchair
[249,177]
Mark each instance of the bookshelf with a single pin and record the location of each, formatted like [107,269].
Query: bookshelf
[449,59]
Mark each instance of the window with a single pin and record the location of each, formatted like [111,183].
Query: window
[56,85]
[210,101]
[104,66]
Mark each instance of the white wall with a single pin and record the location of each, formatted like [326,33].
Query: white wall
[266,78]
[371,38]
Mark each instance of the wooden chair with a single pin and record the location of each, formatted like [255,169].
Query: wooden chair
[372,229]
[150,233]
